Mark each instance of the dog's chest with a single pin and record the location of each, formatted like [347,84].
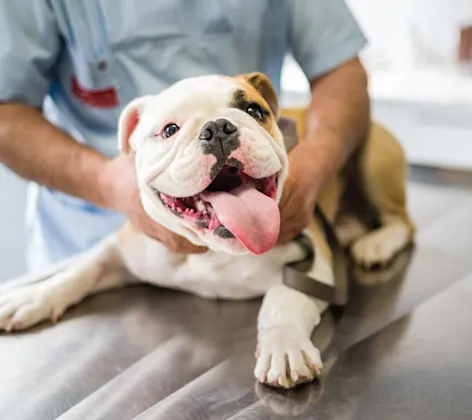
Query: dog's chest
[210,275]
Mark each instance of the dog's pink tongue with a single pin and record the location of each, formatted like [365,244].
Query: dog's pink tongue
[249,215]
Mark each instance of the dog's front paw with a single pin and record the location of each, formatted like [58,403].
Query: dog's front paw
[24,307]
[286,358]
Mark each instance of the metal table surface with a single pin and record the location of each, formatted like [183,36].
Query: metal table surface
[402,349]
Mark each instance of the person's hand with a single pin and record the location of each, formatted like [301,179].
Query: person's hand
[120,189]
[299,195]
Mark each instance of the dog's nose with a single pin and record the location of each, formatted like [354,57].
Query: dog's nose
[219,138]
[220,128]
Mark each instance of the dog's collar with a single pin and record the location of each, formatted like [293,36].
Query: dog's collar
[297,275]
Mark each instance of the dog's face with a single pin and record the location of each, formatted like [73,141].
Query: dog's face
[210,160]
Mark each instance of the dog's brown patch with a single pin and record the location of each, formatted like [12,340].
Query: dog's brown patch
[249,94]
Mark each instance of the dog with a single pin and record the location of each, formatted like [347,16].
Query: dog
[211,161]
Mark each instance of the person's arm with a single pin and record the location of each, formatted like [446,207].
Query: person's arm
[325,42]
[35,149]
[30,45]
[338,121]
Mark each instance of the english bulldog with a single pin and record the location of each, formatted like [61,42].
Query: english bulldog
[211,162]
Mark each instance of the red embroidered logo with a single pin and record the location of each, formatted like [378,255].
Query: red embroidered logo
[106,98]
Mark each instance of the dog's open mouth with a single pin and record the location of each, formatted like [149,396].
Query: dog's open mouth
[234,205]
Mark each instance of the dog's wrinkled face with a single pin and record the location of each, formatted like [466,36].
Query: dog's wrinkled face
[210,160]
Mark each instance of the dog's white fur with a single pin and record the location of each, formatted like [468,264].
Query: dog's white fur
[177,166]
[285,355]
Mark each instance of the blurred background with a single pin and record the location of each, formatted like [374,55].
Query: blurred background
[419,59]
[420,64]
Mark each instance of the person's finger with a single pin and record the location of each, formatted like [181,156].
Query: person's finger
[285,237]
[289,230]
[198,250]
[286,219]
[284,240]
[173,242]
[188,248]
[289,218]
[184,246]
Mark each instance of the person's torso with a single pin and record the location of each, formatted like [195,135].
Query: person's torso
[116,50]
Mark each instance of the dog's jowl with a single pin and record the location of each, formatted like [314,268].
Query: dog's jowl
[211,165]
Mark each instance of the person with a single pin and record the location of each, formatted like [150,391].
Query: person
[67,68]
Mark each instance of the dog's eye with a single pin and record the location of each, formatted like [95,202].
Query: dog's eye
[170,130]
[255,111]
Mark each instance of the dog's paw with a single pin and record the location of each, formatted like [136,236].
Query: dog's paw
[286,358]
[24,307]
[379,247]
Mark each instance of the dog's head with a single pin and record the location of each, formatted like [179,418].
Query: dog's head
[210,160]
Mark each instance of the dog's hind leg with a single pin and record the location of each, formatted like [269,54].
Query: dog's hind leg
[98,270]
[384,173]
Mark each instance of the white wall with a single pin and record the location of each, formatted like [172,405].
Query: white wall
[418,88]
[412,33]
[412,50]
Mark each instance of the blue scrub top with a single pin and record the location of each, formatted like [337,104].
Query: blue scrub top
[82,61]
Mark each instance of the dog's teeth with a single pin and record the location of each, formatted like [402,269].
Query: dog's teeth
[200,206]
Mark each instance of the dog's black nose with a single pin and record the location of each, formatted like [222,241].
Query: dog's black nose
[220,129]
[219,138]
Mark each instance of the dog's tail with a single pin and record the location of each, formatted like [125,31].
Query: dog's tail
[31,278]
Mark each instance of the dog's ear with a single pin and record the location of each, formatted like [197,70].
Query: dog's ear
[128,121]
[263,85]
